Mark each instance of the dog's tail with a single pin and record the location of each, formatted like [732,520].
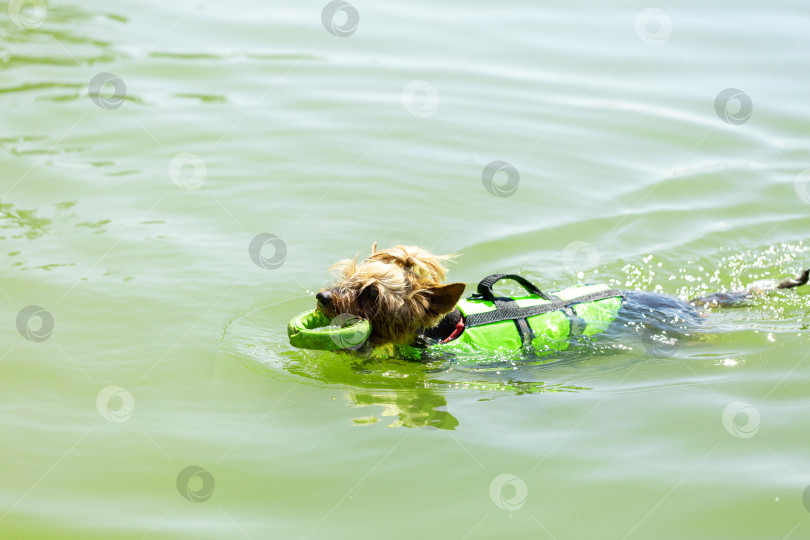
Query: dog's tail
[793,283]
[739,298]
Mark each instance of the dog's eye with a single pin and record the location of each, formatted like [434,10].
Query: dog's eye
[371,292]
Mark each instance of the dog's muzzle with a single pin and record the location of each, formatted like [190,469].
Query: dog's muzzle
[324,298]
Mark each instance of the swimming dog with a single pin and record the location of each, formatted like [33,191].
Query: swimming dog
[402,292]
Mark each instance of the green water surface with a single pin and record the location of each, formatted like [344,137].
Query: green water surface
[177,177]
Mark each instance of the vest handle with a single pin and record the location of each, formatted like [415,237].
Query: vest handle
[486,284]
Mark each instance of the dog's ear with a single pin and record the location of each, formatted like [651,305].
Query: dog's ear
[374,248]
[443,298]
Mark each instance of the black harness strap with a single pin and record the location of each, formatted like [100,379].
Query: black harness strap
[522,313]
[524,330]
[509,305]
[486,284]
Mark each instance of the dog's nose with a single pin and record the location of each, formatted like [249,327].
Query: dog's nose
[324,298]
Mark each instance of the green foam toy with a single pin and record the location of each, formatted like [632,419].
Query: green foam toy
[314,330]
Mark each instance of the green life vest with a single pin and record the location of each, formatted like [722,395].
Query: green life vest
[547,322]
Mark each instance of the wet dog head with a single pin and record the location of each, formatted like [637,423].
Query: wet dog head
[399,290]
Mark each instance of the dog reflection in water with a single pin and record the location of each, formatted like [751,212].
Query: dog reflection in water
[417,408]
